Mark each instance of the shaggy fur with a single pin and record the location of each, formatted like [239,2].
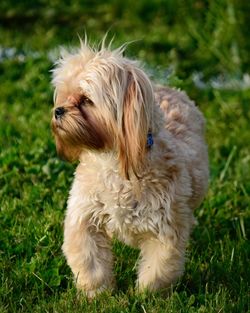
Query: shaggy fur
[142,195]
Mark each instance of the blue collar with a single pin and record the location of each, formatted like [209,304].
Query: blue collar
[150,140]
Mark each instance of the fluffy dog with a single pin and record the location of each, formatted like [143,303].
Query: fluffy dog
[143,167]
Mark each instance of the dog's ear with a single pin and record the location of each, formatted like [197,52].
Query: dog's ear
[136,121]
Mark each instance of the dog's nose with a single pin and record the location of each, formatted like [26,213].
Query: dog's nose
[59,112]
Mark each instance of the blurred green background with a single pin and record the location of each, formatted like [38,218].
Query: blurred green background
[207,36]
[199,46]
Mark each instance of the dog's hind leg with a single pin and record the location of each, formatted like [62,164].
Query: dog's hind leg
[89,255]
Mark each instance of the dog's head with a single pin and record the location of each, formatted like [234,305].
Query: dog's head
[103,101]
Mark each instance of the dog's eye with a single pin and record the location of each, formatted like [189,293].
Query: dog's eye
[84,101]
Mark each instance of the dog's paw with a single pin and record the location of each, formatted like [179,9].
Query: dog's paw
[91,294]
[144,284]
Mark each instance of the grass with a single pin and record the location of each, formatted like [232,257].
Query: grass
[179,40]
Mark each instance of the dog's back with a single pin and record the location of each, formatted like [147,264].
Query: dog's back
[186,123]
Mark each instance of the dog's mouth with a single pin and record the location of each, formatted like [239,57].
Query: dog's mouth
[57,125]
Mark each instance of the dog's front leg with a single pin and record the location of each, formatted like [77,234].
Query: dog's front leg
[89,255]
[160,265]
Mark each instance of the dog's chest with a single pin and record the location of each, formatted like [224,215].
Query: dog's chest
[125,217]
[108,202]
[102,198]
[118,210]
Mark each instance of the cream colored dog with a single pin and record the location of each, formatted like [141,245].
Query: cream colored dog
[143,167]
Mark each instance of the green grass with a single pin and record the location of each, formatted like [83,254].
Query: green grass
[178,40]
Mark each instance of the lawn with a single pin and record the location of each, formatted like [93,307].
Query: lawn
[199,46]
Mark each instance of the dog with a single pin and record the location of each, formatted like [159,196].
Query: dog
[143,167]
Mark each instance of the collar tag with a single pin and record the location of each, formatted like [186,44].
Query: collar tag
[150,140]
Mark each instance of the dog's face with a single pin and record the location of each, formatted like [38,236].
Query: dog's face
[103,102]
